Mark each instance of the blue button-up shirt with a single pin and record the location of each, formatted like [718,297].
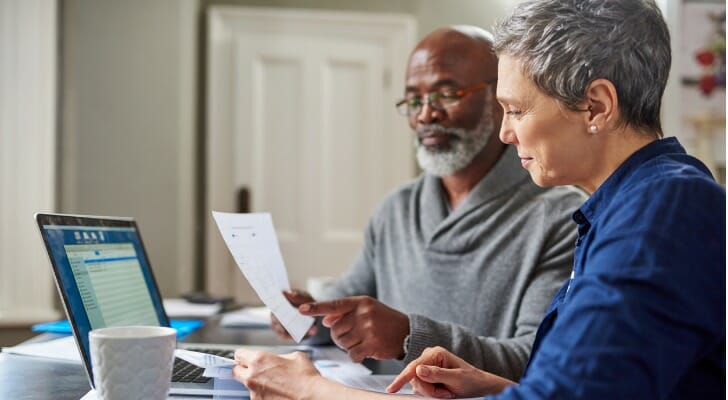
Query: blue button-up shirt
[643,316]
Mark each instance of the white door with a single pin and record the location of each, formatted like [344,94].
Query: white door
[300,119]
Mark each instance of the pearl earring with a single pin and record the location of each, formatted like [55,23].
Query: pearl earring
[593,128]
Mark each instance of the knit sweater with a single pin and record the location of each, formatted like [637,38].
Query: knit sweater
[476,280]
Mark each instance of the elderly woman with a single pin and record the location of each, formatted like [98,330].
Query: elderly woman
[643,315]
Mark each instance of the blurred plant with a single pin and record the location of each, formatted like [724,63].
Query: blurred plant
[712,57]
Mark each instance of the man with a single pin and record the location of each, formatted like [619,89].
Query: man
[467,256]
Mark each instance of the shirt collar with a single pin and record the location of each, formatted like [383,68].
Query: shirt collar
[505,174]
[600,199]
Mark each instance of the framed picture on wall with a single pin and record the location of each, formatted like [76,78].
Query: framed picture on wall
[702,55]
[702,68]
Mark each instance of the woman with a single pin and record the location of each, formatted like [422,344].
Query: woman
[643,316]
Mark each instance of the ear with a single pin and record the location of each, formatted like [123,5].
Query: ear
[602,101]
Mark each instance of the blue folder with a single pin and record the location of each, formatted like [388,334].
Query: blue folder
[183,326]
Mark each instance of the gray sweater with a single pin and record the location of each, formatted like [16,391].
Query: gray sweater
[476,280]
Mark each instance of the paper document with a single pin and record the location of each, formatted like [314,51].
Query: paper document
[340,370]
[372,383]
[183,308]
[60,349]
[92,395]
[204,360]
[379,383]
[252,241]
[248,317]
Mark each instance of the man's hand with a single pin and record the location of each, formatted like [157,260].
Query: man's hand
[362,326]
[296,298]
[439,373]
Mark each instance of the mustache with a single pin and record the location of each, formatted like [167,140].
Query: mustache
[429,129]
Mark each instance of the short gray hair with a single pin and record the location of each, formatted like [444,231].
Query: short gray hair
[565,45]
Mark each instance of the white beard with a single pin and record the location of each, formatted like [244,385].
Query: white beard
[460,151]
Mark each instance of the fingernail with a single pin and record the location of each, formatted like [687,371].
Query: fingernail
[423,371]
[304,308]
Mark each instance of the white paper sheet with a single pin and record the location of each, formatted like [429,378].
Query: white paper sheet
[253,244]
[248,317]
[339,370]
[379,383]
[59,349]
[91,395]
[372,383]
[183,308]
[204,360]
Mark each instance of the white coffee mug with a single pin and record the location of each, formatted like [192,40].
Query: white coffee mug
[132,362]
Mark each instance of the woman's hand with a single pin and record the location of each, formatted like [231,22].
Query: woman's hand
[439,373]
[273,377]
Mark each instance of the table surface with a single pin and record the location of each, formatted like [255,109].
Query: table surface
[35,378]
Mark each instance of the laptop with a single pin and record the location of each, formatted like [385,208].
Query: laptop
[104,278]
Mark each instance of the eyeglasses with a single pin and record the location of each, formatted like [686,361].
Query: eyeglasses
[437,99]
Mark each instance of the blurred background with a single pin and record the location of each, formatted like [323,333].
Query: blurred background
[164,110]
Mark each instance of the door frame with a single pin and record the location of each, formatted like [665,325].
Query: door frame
[395,32]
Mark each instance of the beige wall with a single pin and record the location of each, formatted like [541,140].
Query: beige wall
[128,122]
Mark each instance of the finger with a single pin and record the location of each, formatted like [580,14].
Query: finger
[278,328]
[338,306]
[432,374]
[241,373]
[344,334]
[274,323]
[407,374]
[297,297]
[346,341]
[282,332]
[431,390]
[340,324]
[442,393]
[421,388]
[244,356]
[358,352]
[329,320]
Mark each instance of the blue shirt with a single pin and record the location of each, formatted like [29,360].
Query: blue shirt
[644,315]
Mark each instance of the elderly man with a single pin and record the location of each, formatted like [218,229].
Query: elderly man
[467,256]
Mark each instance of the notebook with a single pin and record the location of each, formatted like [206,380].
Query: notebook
[104,278]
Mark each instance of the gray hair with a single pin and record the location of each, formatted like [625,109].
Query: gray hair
[564,45]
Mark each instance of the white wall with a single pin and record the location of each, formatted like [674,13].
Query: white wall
[128,126]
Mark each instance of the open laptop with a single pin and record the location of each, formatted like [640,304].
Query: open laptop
[105,279]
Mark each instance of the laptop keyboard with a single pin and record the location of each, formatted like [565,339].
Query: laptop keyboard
[186,372]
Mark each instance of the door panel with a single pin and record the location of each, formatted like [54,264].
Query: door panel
[311,130]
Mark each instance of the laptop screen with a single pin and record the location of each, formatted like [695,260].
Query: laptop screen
[102,273]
